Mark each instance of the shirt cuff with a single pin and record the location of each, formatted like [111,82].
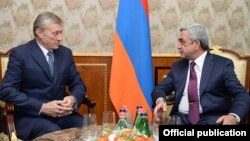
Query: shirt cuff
[236,117]
[159,100]
[75,105]
[40,110]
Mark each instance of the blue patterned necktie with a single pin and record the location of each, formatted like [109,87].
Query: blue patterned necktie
[51,62]
[193,112]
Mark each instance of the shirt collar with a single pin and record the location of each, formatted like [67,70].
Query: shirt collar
[44,50]
[200,60]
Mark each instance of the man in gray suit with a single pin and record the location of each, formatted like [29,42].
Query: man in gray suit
[220,98]
[36,83]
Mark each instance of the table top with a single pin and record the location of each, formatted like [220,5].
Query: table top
[71,134]
[62,135]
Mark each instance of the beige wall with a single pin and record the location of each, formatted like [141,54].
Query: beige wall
[90,24]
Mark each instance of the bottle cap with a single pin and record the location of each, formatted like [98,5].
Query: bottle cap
[122,110]
[143,114]
[138,107]
[122,114]
[140,110]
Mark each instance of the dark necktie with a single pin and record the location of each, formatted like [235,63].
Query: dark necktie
[193,112]
[51,62]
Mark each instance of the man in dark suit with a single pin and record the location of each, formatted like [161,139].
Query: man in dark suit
[36,83]
[220,98]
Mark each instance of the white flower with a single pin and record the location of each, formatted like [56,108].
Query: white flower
[111,137]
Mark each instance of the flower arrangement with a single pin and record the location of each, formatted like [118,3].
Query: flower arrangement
[124,135]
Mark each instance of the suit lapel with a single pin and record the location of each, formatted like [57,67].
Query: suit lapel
[206,72]
[39,57]
[56,64]
[183,77]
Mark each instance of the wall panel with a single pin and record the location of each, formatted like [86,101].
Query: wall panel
[95,71]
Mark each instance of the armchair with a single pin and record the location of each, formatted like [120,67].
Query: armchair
[240,68]
[240,63]
[7,109]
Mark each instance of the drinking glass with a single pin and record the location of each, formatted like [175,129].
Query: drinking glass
[161,118]
[89,127]
[108,122]
[174,120]
[155,131]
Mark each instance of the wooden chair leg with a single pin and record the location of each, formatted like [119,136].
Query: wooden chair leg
[9,109]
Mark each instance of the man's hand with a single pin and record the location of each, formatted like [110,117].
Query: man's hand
[56,108]
[160,105]
[227,120]
[68,101]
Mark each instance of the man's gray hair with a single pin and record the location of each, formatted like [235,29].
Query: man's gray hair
[44,19]
[198,32]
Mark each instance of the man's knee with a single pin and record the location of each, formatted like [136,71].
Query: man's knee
[42,129]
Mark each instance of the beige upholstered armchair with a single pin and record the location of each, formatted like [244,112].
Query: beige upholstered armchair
[240,63]
[7,109]
[240,67]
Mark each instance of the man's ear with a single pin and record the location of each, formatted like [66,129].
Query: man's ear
[38,31]
[197,43]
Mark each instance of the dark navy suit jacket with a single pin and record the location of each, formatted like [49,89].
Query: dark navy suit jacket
[220,90]
[28,82]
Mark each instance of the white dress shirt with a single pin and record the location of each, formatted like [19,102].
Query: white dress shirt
[183,106]
[45,51]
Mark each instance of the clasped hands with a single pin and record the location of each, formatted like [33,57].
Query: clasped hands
[58,108]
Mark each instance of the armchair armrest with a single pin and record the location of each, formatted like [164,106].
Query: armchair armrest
[8,110]
[90,103]
[170,99]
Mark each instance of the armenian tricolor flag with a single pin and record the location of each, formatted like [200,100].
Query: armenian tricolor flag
[131,81]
